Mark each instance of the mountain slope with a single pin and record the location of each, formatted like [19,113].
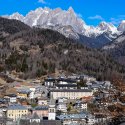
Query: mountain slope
[12,26]
[117,49]
[97,42]
[39,52]
[9,27]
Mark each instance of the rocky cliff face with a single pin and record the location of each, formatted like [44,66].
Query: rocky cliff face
[69,24]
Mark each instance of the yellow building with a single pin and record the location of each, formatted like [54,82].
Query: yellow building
[16,111]
[23,94]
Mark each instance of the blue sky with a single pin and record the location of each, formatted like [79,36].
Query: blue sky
[92,11]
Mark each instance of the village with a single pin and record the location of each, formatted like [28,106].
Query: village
[64,100]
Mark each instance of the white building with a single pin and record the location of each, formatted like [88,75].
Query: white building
[62,107]
[62,100]
[78,119]
[50,82]
[12,98]
[88,78]
[81,105]
[66,81]
[43,101]
[66,86]
[32,93]
[84,106]
[91,121]
[35,118]
[70,93]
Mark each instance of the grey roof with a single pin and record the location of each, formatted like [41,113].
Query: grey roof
[3,119]
[50,122]
[71,90]
[35,116]
[43,98]
[60,79]
[62,98]
[42,122]
[96,86]
[50,80]
[72,116]
[66,80]
[24,91]
[3,107]
[3,100]
[16,107]
[66,85]
[82,115]
[11,95]
[41,108]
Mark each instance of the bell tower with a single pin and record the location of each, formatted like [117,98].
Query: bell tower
[52,110]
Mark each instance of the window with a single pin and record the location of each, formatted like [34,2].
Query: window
[52,110]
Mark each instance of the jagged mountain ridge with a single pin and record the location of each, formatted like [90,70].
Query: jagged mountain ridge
[48,17]
[69,24]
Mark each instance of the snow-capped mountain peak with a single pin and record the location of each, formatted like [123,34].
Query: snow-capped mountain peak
[107,27]
[71,10]
[121,27]
[48,18]
[123,21]
[16,16]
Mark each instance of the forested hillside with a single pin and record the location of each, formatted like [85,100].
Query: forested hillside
[117,49]
[40,51]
